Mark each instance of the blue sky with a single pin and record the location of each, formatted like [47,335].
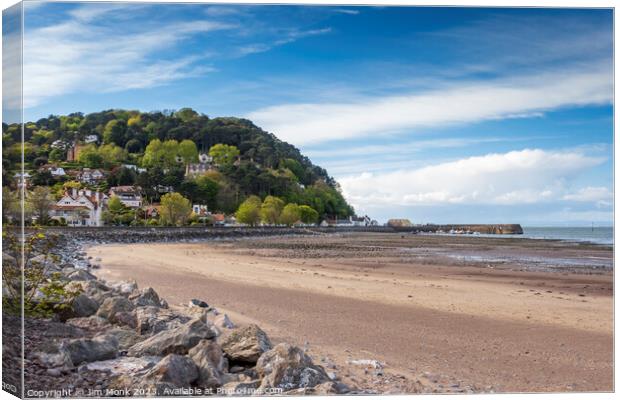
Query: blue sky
[435,114]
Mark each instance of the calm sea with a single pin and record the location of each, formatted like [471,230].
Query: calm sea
[599,235]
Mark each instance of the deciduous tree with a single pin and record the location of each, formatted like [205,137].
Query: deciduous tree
[175,209]
[249,211]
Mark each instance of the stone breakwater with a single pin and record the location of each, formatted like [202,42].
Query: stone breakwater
[487,229]
[121,340]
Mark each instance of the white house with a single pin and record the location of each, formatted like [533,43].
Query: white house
[200,210]
[22,179]
[91,139]
[134,168]
[80,208]
[203,165]
[91,176]
[57,171]
[60,144]
[128,195]
[54,170]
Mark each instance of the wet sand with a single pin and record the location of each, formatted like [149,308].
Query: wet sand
[404,300]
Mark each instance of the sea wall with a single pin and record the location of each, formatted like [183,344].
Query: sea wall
[118,234]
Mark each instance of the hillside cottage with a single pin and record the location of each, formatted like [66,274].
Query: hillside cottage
[91,139]
[80,208]
[91,176]
[203,165]
[128,195]
[53,170]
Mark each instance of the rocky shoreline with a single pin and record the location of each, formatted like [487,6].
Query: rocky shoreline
[121,340]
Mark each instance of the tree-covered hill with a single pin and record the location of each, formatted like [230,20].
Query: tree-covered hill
[161,144]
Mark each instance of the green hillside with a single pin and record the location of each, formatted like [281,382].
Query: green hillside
[164,143]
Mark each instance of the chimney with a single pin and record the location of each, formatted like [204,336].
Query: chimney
[73,192]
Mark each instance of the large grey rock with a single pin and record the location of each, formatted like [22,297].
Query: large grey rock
[288,367]
[88,350]
[127,318]
[151,320]
[54,355]
[101,295]
[145,297]
[43,260]
[171,373]
[212,364]
[84,306]
[125,288]
[113,305]
[125,337]
[246,345]
[198,303]
[223,322]
[94,289]
[81,275]
[180,371]
[93,323]
[174,341]
[8,259]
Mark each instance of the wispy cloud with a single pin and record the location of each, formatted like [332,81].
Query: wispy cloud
[455,103]
[288,37]
[408,148]
[83,54]
[518,177]
[346,11]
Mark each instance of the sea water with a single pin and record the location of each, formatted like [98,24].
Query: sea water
[598,235]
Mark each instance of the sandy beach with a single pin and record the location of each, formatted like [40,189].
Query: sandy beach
[493,314]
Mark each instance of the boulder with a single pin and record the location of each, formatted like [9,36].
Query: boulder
[95,289]
[100,295]
[288,367]
[123,365]
[198,303]
[54,355]
[125,337]
[127,318]
[172,372]
[212,364]
[145,297]
[179,371]
[88,350]
[84,306]
[93,322]
[125,288]
[113,305]
[8,259]
[151,320]
[81,275]
[43,260]
[246,345]
[173,341]
[222,321]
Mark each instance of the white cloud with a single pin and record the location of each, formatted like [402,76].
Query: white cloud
[80,55]
[600,195]
[518,177]
[461,103]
